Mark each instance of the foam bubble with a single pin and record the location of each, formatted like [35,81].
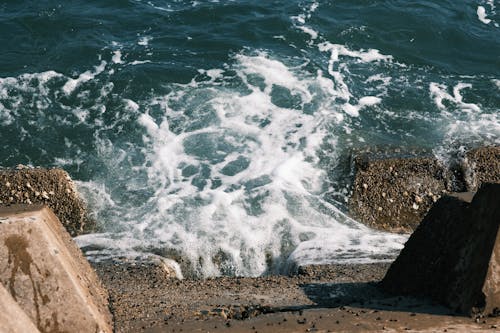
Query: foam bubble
[481,15]
[144,40]
[439,94]
[72,84]
[309,31]
[117,57]
[242,189]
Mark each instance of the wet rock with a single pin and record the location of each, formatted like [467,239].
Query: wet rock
[47,275]
[481,165]
[453,256]
[395,193]
[51,187]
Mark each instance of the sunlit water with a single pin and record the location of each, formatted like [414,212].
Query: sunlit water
[221,131]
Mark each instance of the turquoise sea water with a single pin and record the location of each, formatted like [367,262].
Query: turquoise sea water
[223,129]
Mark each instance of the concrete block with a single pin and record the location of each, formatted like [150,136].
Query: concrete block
[47,275]
[12,317]
[51,187]
[453,257]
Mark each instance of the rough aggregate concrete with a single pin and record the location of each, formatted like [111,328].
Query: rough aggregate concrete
[327,298]
[51,187]
[395,193]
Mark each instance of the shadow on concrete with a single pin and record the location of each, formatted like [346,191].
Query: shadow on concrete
[368,296]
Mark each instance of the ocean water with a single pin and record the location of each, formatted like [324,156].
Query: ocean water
[221,131]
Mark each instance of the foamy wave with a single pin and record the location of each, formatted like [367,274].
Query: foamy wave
[71,84]
[238,192]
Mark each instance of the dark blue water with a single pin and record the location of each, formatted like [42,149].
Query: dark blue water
[220,129]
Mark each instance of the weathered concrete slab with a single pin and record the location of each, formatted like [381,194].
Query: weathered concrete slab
[51,187]
[46,274]
[395,194]
[453,256]
[481,165]
[12,317]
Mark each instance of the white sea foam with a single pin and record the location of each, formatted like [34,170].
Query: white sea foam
[139,62]
[144,40]
[481,15]
[260,197]
[439,93]
[472,126]
[309,31]
[117,57]
[72,84]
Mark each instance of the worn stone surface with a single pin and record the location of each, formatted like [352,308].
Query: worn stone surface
[395,194]
[12,317]
[326,298]
[46,274]
[481,165]
[453,256]
[52,187]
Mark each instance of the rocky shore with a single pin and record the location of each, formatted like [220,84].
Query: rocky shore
[330,298]
[150,295]
[395,193]
[51,187]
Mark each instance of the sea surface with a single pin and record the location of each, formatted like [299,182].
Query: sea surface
[221,132]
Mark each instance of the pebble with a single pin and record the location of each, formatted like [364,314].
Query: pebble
[418,199]
[7,184]
[380,209]
[365,186]
[415,206]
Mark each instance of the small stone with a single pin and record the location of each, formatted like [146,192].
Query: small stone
[51,192]
[415,206]
[418,199]
[391,169]
[11,199]
[28,201]
[37,194]
[365,186]
[45,195]
[28,185]
[7,184]
[405,193]
[68,190]
[383,194]
[380,209]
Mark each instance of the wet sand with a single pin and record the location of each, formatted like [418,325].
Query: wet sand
[330,298]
